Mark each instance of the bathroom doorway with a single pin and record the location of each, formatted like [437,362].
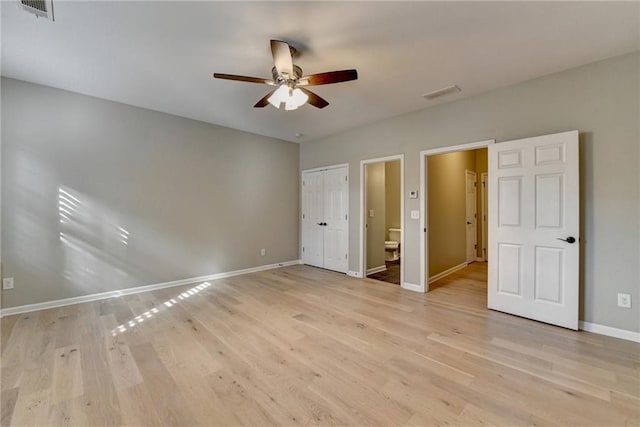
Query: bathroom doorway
[382,219]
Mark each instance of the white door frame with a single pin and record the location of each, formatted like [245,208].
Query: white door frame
[300,207]
[363,231]
[424,236]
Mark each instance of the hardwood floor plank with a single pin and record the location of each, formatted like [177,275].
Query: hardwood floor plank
[304,346]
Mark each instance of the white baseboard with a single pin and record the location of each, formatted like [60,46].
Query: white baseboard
[352,273]
[412,287]
[377,269]
[609,331]
[128,291]
[479,259]
[447,272]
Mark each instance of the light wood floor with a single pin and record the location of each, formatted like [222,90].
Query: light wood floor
[304,346]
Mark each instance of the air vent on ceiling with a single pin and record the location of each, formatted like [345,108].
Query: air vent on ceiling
[41,8]
[442,92]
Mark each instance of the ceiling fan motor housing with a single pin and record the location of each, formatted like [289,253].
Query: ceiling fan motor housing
[278,78]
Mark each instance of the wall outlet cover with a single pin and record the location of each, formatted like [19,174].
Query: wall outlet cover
[415,214]
[624,300]
[263,252]
[7,283]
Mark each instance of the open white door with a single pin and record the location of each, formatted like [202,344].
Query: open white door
[471,209]
[533,228]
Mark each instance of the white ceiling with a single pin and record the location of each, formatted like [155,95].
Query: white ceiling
[161,55]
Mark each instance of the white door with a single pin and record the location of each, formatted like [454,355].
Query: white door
[313,218]
[471,200]
[533,228]
[325,225]
[336,208]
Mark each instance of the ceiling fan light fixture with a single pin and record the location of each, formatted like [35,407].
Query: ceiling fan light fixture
[297,99]
[292,99]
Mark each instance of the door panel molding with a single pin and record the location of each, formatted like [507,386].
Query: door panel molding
[547,207]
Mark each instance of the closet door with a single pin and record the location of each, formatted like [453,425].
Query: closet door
[336,209]
[313,218]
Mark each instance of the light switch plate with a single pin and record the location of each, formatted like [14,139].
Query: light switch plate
[415,214]
[413,194]
[370,213]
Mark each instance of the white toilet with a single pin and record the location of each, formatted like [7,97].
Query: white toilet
[392,246]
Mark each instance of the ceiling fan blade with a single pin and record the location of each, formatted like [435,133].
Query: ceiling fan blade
[314,99]
[243,78]
[282,57]
[264,101]
[328,78]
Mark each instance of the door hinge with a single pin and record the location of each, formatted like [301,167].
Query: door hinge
[303,183]
[475,246]
[303,249]
[302,216]
[475,215]
[425,230]
[345,256]
[346,178]
[475,184]
[345,216]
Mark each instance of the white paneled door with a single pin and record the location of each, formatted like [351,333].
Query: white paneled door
[534,228]
[325,225]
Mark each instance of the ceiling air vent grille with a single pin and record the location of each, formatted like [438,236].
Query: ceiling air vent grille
[41,8]
[442,92]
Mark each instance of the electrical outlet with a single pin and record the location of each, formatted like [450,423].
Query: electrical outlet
[624,300]
[7,283]
[415,214]
[263,251]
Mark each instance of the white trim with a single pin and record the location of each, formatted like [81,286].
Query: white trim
[424,264]
[128,291]
[447,272]
[352,273]
[377,269]
[412,287]
[362,210]
[609,331]
[324,168]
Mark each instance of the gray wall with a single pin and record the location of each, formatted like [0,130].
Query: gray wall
[599,99]
[375,201]
[392,188]
[447,208]
[194,198]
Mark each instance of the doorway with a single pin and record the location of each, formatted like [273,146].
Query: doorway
[382,236]
[448,244]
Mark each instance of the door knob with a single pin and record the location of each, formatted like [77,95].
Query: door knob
[569,239]
[319,223]
[324,223]
[469,223]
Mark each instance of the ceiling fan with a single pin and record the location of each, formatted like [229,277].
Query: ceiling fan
[291,84]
